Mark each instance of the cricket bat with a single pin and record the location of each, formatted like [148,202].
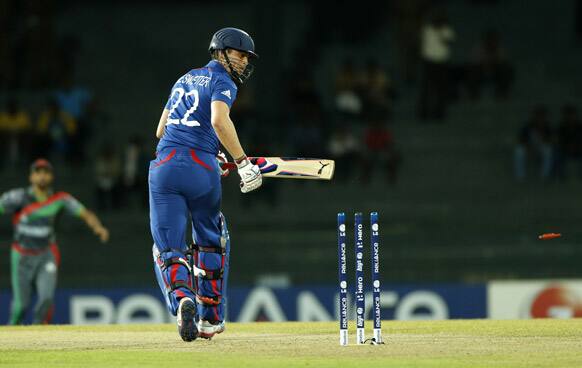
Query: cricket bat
[291,167]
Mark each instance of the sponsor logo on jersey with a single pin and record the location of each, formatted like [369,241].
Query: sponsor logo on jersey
[226,93]
[33,231]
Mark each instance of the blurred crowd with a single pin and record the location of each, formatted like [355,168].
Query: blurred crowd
[32,54]
[45,112]
[443,82]
[60,130]
[549,150]
[363,102]
[350,119]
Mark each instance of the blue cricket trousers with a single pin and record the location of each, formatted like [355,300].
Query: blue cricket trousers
[185,183]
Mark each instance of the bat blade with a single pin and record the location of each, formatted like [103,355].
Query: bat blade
[292,167]
[301,168]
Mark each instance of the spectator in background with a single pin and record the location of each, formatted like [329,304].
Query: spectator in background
[380,153]
[135,173]
[107,178]
[489,64]
[79,103]
[57,131]
[344,147]
[436,38]
[569,141]
[534,143]
[406,17]
[348,93]
[378,93]
[15,130]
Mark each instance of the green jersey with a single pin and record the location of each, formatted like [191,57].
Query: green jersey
[34,220]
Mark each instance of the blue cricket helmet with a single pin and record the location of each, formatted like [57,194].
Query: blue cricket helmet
[232,38]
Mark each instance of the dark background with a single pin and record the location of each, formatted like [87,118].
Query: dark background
[344,81]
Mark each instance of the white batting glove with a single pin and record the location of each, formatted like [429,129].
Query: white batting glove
[250,176]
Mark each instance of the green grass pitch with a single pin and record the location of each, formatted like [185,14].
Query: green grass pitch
[465,343]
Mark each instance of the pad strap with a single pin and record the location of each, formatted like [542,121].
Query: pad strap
[206,249]
[206,300]
[212,274]
[215,274]
[174,260]
[181,284]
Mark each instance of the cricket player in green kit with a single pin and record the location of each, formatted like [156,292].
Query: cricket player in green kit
[35,255]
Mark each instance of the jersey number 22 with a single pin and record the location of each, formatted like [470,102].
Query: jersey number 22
[182,98]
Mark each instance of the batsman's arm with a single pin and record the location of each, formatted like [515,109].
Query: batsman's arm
[95,224]
[162,123]
[225,130]
[249,173]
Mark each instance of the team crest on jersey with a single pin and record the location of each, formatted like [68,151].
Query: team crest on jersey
[226,93]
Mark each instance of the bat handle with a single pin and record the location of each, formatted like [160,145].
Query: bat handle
[228,166]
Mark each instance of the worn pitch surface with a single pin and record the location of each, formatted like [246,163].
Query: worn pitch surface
[468,343]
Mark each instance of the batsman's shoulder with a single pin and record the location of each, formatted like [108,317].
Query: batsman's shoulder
[225,89]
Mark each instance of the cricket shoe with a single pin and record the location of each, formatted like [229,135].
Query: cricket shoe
[207,329]
[186,320]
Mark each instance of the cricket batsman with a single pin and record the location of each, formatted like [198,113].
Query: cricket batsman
[184,180]
[35,255]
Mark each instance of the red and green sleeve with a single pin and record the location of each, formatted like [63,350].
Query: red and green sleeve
[50,207]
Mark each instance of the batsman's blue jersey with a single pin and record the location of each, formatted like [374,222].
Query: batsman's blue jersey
[184,186]
[188,122]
